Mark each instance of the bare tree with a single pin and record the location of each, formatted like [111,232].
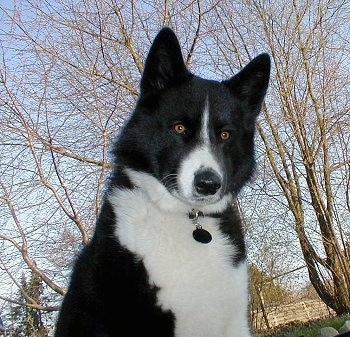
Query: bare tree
[305,128]
[69,77]
[59,100]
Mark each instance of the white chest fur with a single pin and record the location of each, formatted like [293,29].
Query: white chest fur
[198,282]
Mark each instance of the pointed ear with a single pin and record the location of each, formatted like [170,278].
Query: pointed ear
[164,65]
[250,84]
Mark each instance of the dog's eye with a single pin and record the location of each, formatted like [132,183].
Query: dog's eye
[180,128]
[225,135]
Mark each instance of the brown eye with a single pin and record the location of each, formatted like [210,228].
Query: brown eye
[180,128]
[225,135]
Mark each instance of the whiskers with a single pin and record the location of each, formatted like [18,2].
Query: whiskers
[170,182]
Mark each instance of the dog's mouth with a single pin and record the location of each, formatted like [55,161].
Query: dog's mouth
[196,201]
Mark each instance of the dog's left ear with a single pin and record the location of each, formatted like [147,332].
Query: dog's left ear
[250,84]
[164,65]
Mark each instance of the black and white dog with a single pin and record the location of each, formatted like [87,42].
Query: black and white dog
[168,256]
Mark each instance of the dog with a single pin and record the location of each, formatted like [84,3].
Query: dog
[167,257]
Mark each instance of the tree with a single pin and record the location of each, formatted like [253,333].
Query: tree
[27,319]
[307,153]
[265,294]
[304,131]
[69,77]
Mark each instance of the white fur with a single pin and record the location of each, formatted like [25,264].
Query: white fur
[198,282]
[201,157]
[205,124]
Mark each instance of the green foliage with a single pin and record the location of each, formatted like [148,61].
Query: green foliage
[26,318]
[263,284]
[265,295]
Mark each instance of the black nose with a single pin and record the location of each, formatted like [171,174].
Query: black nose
[207,182]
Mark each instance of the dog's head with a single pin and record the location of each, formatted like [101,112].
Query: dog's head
[194,136]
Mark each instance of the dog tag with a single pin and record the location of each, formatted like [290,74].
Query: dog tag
[201,235]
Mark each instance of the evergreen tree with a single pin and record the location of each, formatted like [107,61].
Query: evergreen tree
[28,321]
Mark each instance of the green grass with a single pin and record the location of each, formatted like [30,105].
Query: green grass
[308,329]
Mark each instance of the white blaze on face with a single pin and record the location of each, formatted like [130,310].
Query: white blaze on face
[204,135]
[200,158]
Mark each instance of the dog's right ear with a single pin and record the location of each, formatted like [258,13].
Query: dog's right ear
[164,65]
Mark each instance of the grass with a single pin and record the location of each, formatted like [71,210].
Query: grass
[307,329]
